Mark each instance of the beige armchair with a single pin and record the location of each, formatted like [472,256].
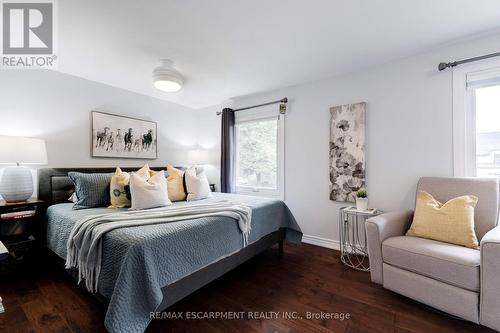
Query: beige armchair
[460,281]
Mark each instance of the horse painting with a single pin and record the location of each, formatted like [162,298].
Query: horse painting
[101,137]
[129,139]
[147,140]
[123,137]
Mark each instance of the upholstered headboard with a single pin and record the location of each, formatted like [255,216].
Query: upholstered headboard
[54,185]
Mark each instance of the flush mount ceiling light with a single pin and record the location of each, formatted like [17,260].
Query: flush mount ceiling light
[166,78]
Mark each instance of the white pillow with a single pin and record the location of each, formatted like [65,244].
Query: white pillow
[197,185]
[150,193]
[73,198]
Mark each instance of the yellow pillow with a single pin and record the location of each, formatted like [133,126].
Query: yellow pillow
[175,184]
[117,190]
[118,183]
[145,172]
[451,222]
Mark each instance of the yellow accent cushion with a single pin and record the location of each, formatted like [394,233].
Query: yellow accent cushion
[451,222]
[118,182]
[175,184]
[117,190]
[145,172]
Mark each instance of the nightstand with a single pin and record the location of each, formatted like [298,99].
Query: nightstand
[353,245]
[20,231]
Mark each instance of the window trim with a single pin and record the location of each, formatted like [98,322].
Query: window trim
[463,116]
[258,114]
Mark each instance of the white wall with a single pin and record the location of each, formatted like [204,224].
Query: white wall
[409,133]
[208,138]
[56,107]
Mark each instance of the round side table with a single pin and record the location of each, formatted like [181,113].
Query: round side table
[353,247]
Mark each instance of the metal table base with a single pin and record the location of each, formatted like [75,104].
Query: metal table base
[353,247]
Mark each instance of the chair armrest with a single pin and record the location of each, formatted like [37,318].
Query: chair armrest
[378,229]
[491,237]
[490,283]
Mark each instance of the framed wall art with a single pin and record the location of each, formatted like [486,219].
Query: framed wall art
[347,151]
[116,136]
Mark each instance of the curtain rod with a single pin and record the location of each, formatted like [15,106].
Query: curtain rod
[283,100]
[442,66]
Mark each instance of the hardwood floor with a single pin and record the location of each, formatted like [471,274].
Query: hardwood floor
[307,279]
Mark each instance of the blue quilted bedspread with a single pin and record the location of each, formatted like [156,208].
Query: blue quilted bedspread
[138,261]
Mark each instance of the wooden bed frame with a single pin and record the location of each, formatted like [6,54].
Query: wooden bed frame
[54,186]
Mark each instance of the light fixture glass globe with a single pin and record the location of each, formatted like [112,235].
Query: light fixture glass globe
[166,78]
[167,86]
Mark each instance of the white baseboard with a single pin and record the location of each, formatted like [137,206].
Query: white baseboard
[320,241]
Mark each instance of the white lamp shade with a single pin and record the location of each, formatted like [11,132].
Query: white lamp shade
[198,157]
[22,150]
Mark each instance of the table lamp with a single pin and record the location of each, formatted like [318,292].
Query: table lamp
[197,157]
[16,183]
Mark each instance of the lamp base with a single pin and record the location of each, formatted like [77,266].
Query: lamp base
[16,184]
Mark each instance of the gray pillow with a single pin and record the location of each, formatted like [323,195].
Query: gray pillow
[92,189]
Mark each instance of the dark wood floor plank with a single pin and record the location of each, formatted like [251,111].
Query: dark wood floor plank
[307,279]
[20,328]
[13,316]
[67,301]
[43,317]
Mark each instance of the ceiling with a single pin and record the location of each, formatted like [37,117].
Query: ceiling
[228,48]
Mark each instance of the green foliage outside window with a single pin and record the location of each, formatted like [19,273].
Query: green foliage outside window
[257,153]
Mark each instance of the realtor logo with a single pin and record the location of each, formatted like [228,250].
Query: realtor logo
[28,34]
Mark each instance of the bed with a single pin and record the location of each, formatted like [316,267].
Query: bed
[148,268]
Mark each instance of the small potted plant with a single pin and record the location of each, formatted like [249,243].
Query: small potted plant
[361,200]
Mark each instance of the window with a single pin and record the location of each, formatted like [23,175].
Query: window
[259,152]
[487,114]
[476,122]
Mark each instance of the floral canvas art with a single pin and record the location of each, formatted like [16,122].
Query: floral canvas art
[347,151]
